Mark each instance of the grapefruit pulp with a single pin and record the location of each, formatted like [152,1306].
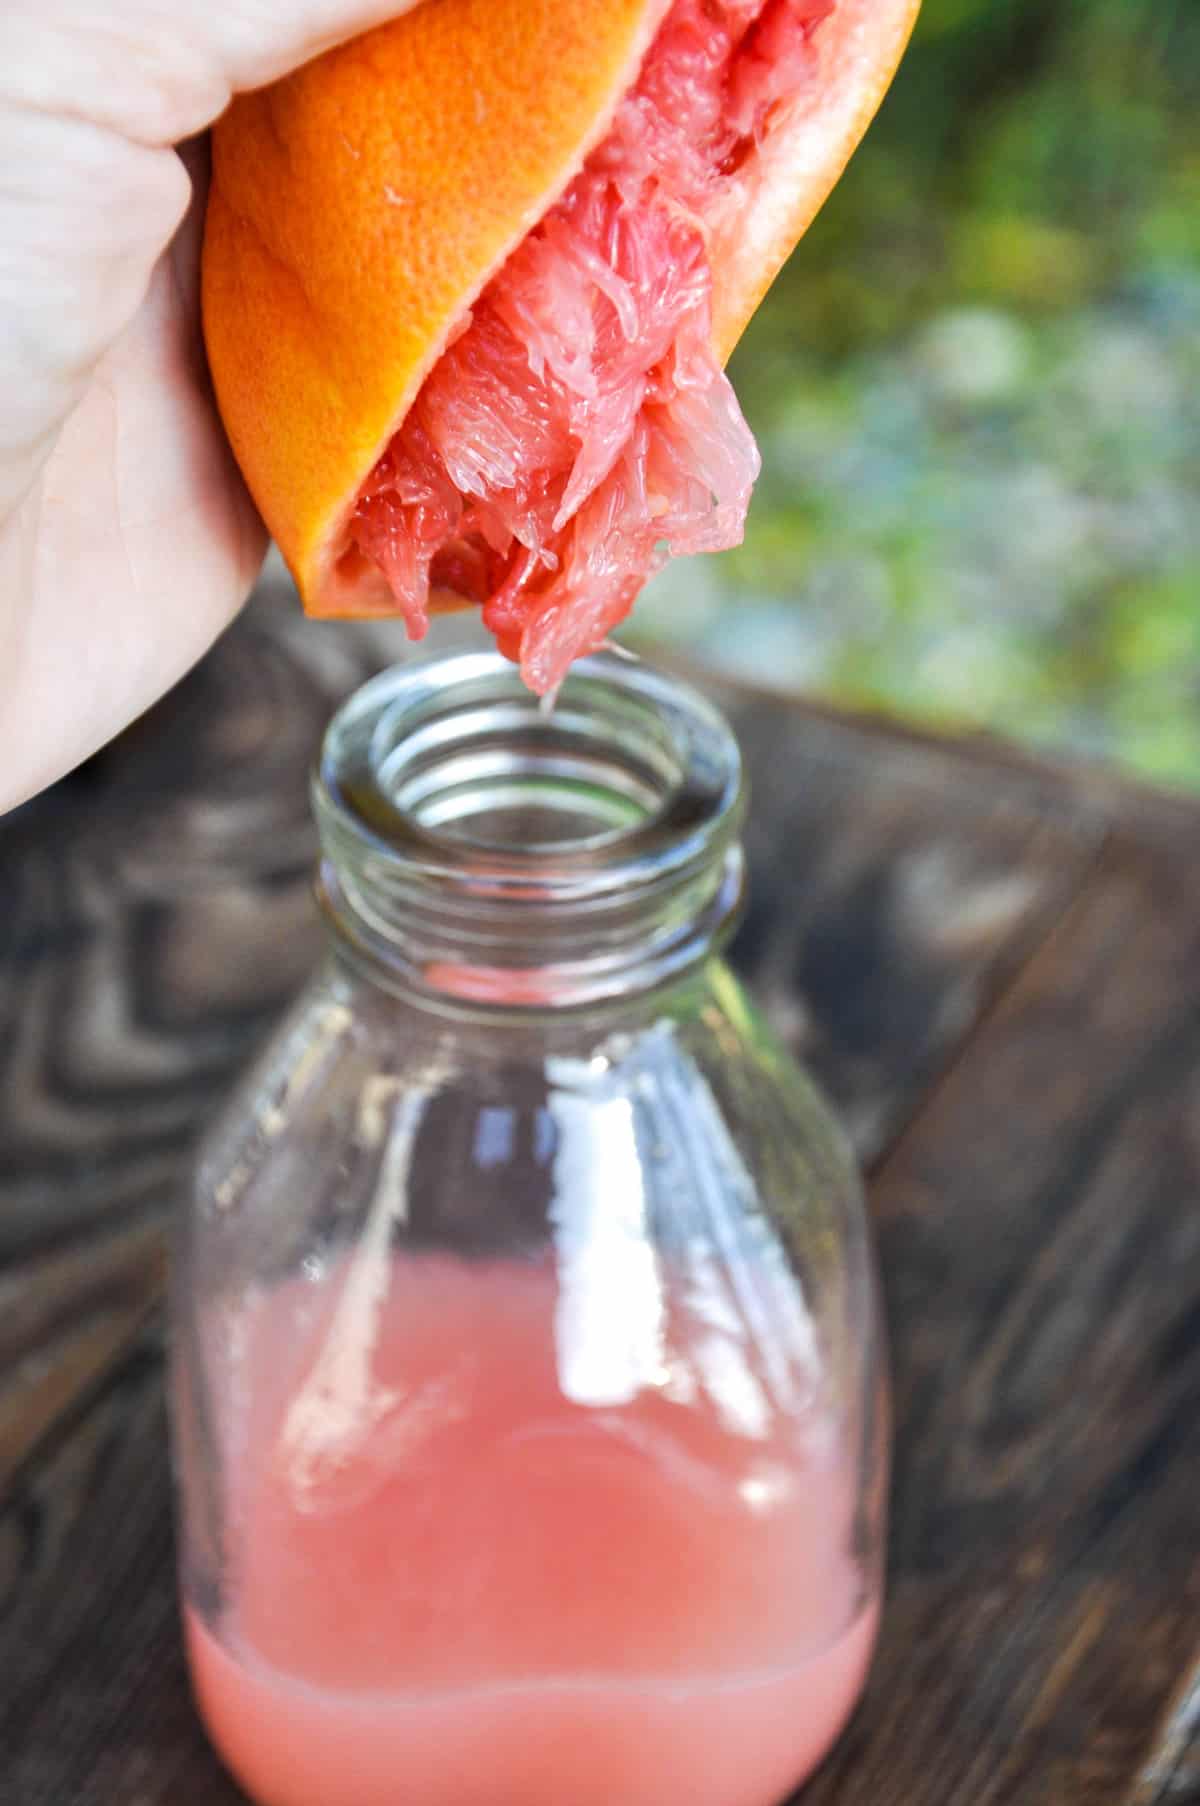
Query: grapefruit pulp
[552,421]
[581,427]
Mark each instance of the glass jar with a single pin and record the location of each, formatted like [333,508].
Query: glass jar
[530,1422]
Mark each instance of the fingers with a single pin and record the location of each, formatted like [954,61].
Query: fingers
[93,95]
[157,71]
[83,219]
[132,552]
[126,537]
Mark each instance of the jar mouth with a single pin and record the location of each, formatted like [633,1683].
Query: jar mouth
[449,799]
[452,762]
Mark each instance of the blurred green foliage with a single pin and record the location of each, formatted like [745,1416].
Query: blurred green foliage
[1031,153]
[977,389]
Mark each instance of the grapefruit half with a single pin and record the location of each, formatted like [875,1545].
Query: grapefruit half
[471,279]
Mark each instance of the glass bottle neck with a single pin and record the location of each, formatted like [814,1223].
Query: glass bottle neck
[477,847]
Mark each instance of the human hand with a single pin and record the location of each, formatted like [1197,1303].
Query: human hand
[127,538]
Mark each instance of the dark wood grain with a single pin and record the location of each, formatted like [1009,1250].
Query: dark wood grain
[1039,1229]
[994,968]
[890,899]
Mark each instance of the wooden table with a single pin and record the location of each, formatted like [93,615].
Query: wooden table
[995,969]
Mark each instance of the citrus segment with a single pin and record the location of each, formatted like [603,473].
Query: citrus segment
[502,384]
[357,208]
[580,428]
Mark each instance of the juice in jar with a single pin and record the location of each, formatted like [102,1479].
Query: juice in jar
[462,1571]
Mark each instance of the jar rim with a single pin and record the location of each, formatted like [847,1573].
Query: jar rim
[454,807]
[399,718]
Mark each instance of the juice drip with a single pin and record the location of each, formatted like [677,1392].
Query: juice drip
[579,429]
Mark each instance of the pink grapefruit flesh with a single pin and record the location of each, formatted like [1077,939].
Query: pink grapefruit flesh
[579,429]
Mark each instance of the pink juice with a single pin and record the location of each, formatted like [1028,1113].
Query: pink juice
[452,1583]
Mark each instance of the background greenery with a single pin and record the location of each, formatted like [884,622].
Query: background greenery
[977,390]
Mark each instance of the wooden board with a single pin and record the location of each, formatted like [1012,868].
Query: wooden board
[1040,1233]
[993,968]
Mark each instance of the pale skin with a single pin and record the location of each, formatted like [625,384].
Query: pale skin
[127,539]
